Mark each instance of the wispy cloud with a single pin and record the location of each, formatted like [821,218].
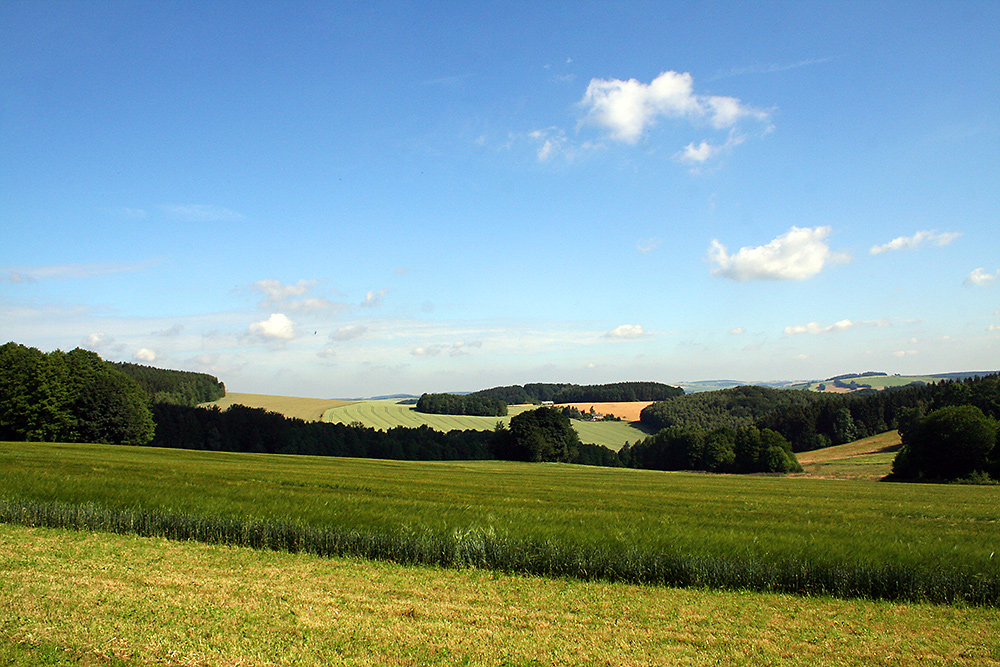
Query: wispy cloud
[815,328]
[349,332]
[648,245]
[626,331]
[27,274]
[981,277]
[374,299]
[918,239]
[799,254]
[204,213]
[294,298]
[768,68]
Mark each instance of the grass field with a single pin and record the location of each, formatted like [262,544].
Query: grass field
[82,598]
[754,519]
[309,409]
[386,414]
[867,459]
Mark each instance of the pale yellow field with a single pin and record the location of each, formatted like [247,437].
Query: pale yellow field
[627,411]
[309,409]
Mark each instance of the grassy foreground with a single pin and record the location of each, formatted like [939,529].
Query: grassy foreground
[770,533]
[78,598]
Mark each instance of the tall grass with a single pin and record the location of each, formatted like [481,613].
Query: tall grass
[485,549]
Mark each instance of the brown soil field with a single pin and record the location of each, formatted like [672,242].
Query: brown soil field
[627,411]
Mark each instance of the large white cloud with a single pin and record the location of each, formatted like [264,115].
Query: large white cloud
[276,328]
[627,108]
[918,239]
[799,254]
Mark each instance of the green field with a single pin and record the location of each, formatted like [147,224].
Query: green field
[94,598]
[875,381]
[867,459]
[763,519]
[386,414]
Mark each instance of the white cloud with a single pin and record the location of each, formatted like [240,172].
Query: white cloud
[276,328]
[278,296]
[97,340]
[737,331]
[144,354]
[705,151]
[627,108]
[204,213]
[814,328]
[918,239]
[980,277]
[374,299]
[625,331]
[799,254]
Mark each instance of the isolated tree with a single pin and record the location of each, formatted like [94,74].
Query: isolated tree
[949,443]
[544,434]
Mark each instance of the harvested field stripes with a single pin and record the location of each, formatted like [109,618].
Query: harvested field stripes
[480,549]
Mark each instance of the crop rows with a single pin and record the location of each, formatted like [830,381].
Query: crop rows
[483,549]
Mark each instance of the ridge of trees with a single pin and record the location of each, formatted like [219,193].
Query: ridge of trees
[724,408]
[455,404]
[841,418]
[616,392]
[171,386]
[69,397]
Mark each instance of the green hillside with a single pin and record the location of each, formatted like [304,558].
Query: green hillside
[386,414]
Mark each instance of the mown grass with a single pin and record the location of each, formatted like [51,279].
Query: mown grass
[389,413]
[866,459]
[308,409]
[770,533]
[71,598]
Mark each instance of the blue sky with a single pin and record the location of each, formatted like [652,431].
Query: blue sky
[351,199]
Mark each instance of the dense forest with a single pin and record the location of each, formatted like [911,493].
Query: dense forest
[455,404]
[726,408]
[69,397]
[725,450]
[176,387]
[618,392]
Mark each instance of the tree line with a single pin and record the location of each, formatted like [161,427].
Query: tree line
[69,397]
[456,404]
[617,392]
[170,386]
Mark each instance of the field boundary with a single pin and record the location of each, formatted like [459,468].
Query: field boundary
[474,548]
